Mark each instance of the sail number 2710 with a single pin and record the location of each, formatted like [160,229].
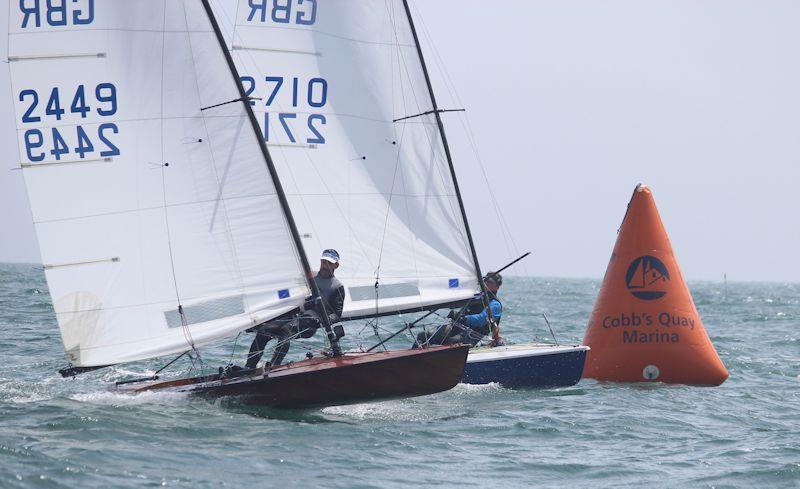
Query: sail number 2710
[90,140]
[292,107]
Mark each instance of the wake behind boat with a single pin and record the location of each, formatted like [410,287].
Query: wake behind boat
[350,378]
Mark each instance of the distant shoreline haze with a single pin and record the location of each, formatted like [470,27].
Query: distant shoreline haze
[546,277]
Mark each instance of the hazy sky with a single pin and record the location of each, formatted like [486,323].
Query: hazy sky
[572,104]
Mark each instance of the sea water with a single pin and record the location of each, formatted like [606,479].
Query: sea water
[746,433]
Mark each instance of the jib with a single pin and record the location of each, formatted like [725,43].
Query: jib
[56,13]
[280,11]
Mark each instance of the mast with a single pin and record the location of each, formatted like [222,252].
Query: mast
[437,113]
[243,98]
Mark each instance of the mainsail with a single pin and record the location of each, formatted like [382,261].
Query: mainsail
[330,81]
[158,222]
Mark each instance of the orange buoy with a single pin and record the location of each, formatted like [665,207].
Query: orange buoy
[645,326]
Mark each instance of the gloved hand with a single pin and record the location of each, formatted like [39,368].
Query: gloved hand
[308,326]
[451,314]
[308,305]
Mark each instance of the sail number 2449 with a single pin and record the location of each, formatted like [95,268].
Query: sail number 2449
[90,140]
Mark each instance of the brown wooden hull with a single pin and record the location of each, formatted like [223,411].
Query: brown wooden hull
[352,378]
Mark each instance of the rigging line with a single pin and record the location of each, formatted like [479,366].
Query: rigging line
[392,12]
[391,58]
[193,368]
[11,86]
[505,229]
[473,143]
[429,137]
[407,326]
[233,24]
[394,177]
[544,315]
[219,181]
[247,60]
[333,340]
[430,140]
[401,64]
[479,275]
[375,326]
[412,245]
[233,351]
[170,363]
[164,165]
[329,193]
[428,112]
[352,231]
[284,151]
[348,223]
[284,341]
[240,99]
[377,308]
[465,122]
[384,329]
[301,197]
[187,335]
[404,65]
[389,208]
[149,208]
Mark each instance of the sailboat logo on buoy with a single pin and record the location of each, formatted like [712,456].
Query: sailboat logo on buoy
[647,278]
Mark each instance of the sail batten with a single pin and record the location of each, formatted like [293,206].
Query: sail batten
[180,240]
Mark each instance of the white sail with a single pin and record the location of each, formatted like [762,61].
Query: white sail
[158,222]
[331,77]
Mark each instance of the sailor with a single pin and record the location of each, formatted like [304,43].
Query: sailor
[475,323]
[332,294]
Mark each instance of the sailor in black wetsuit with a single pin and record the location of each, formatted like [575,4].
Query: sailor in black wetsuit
[471,326]
[281,329]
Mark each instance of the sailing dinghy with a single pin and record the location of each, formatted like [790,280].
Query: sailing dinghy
[161,218]
[347,379]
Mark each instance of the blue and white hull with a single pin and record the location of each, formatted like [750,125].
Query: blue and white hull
[526,366]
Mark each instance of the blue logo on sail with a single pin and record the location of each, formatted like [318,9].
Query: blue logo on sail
[452,283]
[283,294]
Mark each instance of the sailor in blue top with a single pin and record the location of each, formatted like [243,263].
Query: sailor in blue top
[475,323]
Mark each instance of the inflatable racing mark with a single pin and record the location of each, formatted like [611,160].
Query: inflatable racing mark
[645,326]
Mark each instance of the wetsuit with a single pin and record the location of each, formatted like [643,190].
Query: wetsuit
[332,292]
[469,328]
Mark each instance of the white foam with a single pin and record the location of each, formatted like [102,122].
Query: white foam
[119,399]
[412,410]
[22,392]
[467,389]
[418,409]
[28,399]
[387,410]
